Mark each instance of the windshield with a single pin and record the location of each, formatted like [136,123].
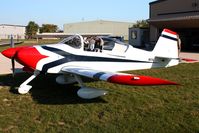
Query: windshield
[73,41]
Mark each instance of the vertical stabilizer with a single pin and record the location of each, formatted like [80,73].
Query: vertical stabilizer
[167,45]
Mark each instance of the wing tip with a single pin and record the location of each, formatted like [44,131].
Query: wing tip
[139,80]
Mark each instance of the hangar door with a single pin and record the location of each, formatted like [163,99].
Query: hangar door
[189,38]
[186,27]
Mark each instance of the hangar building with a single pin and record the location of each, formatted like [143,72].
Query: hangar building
[18,31]
[100,26]
[180,16]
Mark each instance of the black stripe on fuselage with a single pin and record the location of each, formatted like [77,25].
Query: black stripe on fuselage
[169,37]
[71,57]
[56,50]
[98,75]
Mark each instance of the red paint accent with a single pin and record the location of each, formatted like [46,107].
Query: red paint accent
[10,52]
[169,31]
[139,80]
[29,57]
[189,60]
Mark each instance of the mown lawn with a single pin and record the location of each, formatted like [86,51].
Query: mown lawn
[50,107]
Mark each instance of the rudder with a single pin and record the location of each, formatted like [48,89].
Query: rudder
[168,45]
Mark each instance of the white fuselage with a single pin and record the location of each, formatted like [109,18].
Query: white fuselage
[113,61]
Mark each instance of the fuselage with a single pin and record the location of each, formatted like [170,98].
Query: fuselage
[52,58]
[61,55]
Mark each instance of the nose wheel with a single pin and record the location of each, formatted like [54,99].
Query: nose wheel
[24,87]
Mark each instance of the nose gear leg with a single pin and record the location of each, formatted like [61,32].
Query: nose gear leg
[24,87]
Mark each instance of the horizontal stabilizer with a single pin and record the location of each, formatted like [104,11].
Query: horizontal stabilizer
[187,60]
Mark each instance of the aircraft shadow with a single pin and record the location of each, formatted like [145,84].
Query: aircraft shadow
[46,91]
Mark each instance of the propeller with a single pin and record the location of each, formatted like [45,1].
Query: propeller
[12,59]
[13,66]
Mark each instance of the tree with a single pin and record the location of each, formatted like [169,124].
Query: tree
[141,24]
[48,28]
[31,29]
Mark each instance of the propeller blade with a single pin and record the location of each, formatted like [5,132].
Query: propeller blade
[12,59]
[12,42]
[13,66]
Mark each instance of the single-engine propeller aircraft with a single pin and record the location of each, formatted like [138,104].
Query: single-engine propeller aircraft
[71,58]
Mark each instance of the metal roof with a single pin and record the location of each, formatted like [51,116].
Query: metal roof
[176,18]
[12,25]
[99,21]
[157,1]
[63,35]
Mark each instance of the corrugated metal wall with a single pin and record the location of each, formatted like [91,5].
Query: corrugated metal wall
[115,28]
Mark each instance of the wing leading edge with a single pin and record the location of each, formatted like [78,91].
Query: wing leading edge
[119,78]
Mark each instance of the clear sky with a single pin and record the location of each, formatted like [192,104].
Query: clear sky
[60,12]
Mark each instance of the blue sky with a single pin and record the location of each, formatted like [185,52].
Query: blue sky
[60,12]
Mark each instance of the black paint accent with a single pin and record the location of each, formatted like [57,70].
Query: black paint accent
[55,50]
[71,57]
[53,64]
[98,75]
[169,37]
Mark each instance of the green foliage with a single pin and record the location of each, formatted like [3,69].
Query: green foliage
[50,107]
[141,24]
[31,29]
[49,28]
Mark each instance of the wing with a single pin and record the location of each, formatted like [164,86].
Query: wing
[119,78]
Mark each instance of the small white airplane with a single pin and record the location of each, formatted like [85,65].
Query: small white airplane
[71,59]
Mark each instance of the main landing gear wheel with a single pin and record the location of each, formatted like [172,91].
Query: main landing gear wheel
[86,92]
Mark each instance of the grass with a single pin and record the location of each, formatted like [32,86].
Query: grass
[50,107]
